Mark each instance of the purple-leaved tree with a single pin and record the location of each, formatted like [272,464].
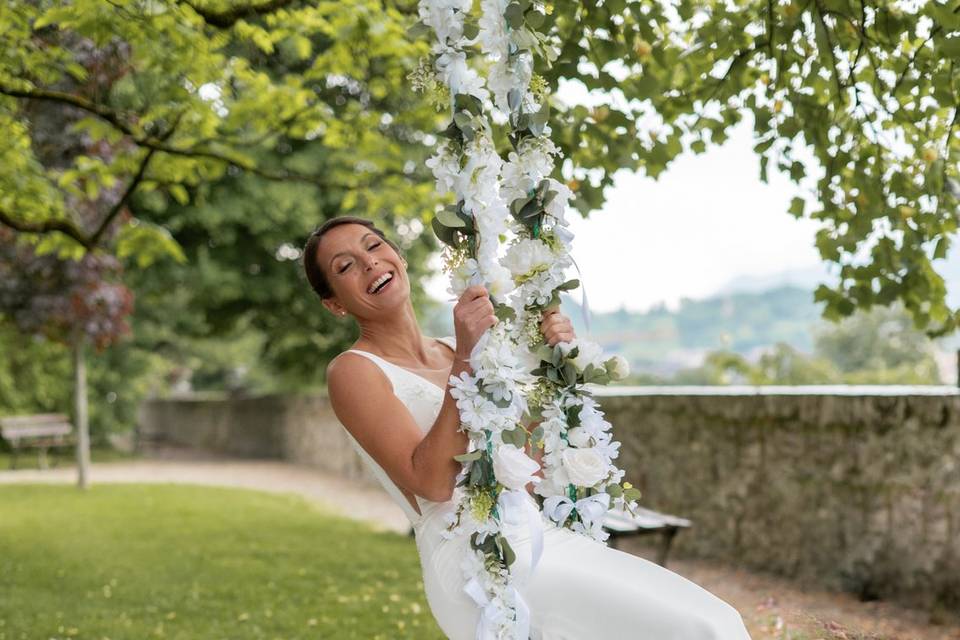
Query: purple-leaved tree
[74,302]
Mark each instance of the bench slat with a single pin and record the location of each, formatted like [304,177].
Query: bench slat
[38,431]
[621,521]
[39,419]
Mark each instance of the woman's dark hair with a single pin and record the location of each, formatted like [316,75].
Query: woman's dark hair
[318,281]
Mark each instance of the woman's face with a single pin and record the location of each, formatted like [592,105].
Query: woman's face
[356,260]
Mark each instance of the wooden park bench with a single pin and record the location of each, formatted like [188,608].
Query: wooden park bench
[41,432]
[620,524]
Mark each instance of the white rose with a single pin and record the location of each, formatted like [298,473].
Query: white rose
[514,468]
[578,437]
[618,367]
[586,467]
[589,353]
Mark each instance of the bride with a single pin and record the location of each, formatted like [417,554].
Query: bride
[390,393]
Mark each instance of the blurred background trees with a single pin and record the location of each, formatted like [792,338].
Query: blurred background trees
[194,145]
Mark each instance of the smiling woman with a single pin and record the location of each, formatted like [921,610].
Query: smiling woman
[315,275]
[406,427]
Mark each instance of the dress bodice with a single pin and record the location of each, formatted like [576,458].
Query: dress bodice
[423,399]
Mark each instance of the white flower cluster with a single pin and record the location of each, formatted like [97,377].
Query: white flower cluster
[477,185]
[446,17]
[495,41]
[525,167]
[490,399]
[581,456]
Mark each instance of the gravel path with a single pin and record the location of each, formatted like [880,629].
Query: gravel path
[362,503]
[773,607]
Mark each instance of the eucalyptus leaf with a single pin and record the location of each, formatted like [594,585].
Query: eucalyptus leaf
[535,19]
[467,457]
[444,234]
[509,556]
[513,98]
[513,14]
[449,219]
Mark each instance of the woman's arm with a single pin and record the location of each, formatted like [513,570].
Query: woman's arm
[364,402]
[362,398]
[433,457]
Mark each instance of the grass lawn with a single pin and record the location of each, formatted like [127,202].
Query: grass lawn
[63,456]
[142,561]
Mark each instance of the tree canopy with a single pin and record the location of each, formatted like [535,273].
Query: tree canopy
[857,99]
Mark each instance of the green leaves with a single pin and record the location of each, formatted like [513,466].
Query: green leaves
[796,207]
[514,15]
[833,101]
[147,243]
[453,226]
[516,436]
[450,218]
[468,457]
[494,545]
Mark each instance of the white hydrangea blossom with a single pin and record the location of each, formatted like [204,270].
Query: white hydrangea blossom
[528,256]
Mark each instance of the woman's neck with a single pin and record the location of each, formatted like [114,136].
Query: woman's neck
[397,337]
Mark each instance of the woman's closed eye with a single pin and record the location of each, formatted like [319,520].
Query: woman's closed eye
[346,266]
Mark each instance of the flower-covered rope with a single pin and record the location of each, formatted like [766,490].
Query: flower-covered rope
[580,478]
[491,399]
[514,374]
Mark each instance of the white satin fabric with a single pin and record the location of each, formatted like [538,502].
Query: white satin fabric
[580,589]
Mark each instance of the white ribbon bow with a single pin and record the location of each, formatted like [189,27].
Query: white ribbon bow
[516,506]
[558,508]
[585,307]
[490,614]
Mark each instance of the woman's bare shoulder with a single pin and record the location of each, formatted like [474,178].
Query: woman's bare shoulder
[353,367]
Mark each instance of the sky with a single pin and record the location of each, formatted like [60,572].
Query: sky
[706,222]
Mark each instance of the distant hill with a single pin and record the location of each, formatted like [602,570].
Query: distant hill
[747,315]
[807,278]
[661,341]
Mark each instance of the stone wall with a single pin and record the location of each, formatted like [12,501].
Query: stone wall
[299,428]
[856,488]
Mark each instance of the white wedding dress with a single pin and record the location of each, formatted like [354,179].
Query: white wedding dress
[580,589]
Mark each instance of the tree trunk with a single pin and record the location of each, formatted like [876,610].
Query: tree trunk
[80,408]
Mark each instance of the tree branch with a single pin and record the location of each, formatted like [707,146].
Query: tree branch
[226,19]
[157,144]
[738,58]
[118,206]
[903,74]
[47,226]
[833,55]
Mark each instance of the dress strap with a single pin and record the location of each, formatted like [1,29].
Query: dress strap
[387,367]
[380,362]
